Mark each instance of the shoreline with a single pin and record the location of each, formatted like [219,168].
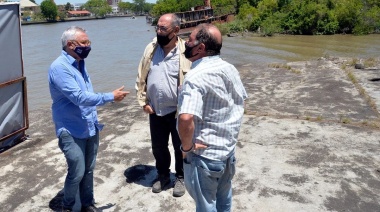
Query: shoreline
[74,19]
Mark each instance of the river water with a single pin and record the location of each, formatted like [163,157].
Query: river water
[118,43]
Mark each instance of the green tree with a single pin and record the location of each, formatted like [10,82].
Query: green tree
[38,17]
[369,21]
[62,15]
[347,13]
[165,6]
[139,6]
[310,18]
[240,3]
[98,7]
[125,6]
[223,7]
[272,24]
[185,5]
[267,8]
[49,9]
[148,7]
[249,15]
[68,6]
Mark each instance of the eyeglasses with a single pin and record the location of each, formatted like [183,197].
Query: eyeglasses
[161,28]
[83,42]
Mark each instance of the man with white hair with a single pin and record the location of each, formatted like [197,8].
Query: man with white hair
[75,116]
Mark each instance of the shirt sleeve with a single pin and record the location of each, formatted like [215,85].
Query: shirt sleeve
[190,99]
[68,84]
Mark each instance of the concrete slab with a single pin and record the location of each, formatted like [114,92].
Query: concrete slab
[309,142]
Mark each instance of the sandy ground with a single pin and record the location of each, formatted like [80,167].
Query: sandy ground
[309,142]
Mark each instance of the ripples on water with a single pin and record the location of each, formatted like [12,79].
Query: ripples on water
[117,46]
[118,43]
[288,48]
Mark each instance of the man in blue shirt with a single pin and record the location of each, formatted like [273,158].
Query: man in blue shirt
[75,116]
[211,107]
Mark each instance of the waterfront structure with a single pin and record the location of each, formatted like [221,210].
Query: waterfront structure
[13,99]
[77,6]
[114,5]
[194,17]
[28,6]
[78,13]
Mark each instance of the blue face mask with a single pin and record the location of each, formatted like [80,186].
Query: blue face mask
[82,51]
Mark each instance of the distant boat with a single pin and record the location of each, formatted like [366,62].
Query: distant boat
[133,17]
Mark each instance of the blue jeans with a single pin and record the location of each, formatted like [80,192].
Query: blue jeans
[80,156]
[209,182]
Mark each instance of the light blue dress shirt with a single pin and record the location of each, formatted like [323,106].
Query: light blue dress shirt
[163,81]
[74,100]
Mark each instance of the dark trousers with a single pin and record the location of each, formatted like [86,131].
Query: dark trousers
[160,129]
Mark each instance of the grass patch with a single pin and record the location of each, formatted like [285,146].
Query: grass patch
[362,91]
[296,71]
[352,77]
[345,120]
[276,65]
[370,62]
[372,124]
[284,66]
[375,124]
[223,28]
[354,61]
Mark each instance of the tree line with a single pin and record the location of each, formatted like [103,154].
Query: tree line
[303,17]
[268,17]
[50,11]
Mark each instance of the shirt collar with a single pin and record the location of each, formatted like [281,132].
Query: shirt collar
[205,59]
[70,59]
[172,52]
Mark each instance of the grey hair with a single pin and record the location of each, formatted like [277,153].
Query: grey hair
[176,21]
[204,36]
[70,34]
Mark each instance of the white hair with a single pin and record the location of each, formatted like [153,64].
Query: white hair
[70,34]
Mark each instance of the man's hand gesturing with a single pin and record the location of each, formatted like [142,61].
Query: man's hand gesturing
[119,94]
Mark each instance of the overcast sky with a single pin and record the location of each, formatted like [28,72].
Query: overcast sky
[84,1]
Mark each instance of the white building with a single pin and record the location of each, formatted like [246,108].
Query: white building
[76,6]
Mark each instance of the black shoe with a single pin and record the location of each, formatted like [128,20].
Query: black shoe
[90,208]
[161,183]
